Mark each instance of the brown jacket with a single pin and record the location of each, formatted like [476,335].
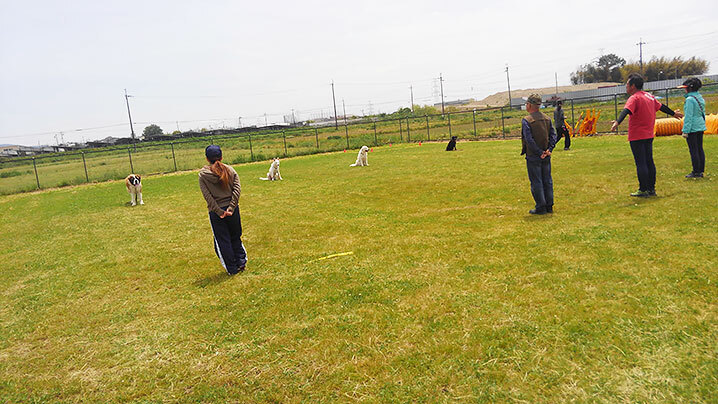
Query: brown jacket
[541,131]
[216,195]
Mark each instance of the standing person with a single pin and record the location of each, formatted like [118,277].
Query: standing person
[560,121]
[538,138]
[642,107]
[694,125]
[219,184]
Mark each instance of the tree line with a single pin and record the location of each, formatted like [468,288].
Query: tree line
[614,68]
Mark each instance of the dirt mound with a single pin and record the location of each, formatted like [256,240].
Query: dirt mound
[501,98]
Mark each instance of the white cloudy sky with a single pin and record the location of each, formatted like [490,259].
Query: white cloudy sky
[64,65]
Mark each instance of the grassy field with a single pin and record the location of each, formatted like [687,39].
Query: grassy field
[453,292]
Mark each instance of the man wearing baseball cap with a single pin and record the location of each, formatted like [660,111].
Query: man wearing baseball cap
[538,138]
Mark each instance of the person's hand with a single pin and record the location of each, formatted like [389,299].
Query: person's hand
[678,114]
[545,154]
[614,125]
[226,214]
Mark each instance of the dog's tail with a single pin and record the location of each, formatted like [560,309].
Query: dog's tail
[264,178]
[353,165]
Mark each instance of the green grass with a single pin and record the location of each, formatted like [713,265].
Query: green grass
[64,169]
[453,293]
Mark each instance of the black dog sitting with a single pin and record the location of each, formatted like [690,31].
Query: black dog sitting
[452,144]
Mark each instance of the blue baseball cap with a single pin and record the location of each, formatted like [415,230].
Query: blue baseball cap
[213,152]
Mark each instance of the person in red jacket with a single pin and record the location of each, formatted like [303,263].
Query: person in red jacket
[642,107]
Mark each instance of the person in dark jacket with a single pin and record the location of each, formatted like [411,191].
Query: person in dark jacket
[560,121]
[220,187]
[538,139]
[694,124]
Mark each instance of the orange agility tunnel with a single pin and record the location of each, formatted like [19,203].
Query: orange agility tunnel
[673,126]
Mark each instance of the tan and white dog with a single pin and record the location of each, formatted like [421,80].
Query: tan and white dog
[273,173]
[133,182]
[361,157]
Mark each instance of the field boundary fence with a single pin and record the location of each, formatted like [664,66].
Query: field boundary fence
[22,174]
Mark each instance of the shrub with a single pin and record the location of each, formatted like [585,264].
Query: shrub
[8,174]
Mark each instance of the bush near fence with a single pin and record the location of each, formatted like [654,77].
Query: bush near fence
[147,158]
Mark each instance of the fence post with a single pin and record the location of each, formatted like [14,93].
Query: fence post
[84,164]
[316,136]
[666,96]
[284,136]
[376,142]
[449,114]
[573,118]
[615,105]
[401,135]
[346,133]
[473,115]
[36,177]
[251,152]
[408,130]
[503,128]
[427,128]
[174,160]
[129,152]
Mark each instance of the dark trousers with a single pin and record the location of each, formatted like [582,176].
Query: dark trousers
[563,131]
[541,181]
[698,156]
[645,169]
[228,241]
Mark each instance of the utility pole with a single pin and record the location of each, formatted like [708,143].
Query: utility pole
[177,122]
[411,88]
[132,129]
[239,122]
[344,108]
[441,82]
[509,84]
[334,100]
[265,119]
[640,52]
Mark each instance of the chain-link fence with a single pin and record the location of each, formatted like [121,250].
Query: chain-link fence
[102,164]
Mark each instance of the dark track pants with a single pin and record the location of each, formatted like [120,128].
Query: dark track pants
[698,156]
[645,168]
[228,241]
[541,182]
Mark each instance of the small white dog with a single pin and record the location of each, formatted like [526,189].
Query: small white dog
[273,173]
[361,157]
[133,182]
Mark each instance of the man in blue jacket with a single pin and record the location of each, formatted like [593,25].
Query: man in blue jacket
[538,138]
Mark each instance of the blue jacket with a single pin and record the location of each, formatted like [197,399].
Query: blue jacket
[694,110]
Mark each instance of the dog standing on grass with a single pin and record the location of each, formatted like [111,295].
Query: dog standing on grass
[273,173]
[133,182]
[362,157]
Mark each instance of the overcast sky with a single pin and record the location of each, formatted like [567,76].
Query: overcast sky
[189,64]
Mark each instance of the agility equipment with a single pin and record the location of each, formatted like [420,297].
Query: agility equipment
[587,123]
[673,126]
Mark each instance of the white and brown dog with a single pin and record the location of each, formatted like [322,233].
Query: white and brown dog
[133,182]
[273,173]
[361,157]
